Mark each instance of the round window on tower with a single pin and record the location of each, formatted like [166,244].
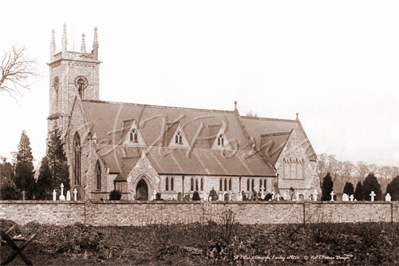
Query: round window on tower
[81,84]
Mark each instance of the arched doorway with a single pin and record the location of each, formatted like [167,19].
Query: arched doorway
[142,190]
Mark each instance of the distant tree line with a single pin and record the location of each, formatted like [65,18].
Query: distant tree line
[367,178]
[17,178]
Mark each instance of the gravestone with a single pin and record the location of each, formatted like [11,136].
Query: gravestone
[75,194]
[62,197]
[254,195]
[345,197]
[315,195]
[68,196]
[243,195]
[234,197]
[154,195]
[301,198]
[55,195]
[278,197]
[285,196]
[332,195]
[226,197]
[351,197]
[387,197]
[372,195]
[179,196]
[338,197]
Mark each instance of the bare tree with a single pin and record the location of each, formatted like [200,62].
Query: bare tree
[363,169]
[349,168]
[251,114]
[374,169]
[322,166]
[16,70]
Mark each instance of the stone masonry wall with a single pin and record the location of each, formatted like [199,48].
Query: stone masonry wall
[126,213]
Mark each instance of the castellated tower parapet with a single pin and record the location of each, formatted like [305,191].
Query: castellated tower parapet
[72,74]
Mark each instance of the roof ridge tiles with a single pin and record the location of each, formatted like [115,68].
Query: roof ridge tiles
[275,134]
[159,106]
[269,119]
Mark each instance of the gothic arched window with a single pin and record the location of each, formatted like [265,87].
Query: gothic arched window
[178,138]
[77,158]
[167,183]
[247,184]
[252,184]
[260,183]
[202,184]
[171,183]
[264,183]
[225,185]
[81,84]
[133,136]
[98,175]
[196,184]
[220,184]
[230,184]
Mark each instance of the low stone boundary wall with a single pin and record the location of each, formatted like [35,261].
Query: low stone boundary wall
[126,213]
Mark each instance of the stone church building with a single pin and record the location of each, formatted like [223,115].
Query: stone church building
[139,148]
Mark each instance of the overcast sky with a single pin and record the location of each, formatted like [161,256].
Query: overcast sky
[336,63]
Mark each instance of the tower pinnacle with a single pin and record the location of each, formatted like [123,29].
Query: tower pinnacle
[64,42]
[83,46]
[52,45]
[95,44]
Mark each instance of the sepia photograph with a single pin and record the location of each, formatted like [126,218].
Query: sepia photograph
[199,132]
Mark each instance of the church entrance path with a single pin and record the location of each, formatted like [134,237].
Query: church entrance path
[142,190]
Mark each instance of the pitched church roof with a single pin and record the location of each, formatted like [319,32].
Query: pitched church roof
[110,123]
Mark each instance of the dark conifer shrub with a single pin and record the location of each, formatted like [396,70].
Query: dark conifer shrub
[359,195]
[115,195]
[328,185]
[393,188]
[371,184]
[349,189]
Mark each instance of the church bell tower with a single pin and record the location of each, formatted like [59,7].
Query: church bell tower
[72,74]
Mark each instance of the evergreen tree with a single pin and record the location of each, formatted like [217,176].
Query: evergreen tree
[371,184]
[349,189]
[359,195]
[393,188]
[328,185]
[44,182]
[57,162]
[24,170]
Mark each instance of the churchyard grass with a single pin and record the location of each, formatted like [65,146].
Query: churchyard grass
[212,241]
